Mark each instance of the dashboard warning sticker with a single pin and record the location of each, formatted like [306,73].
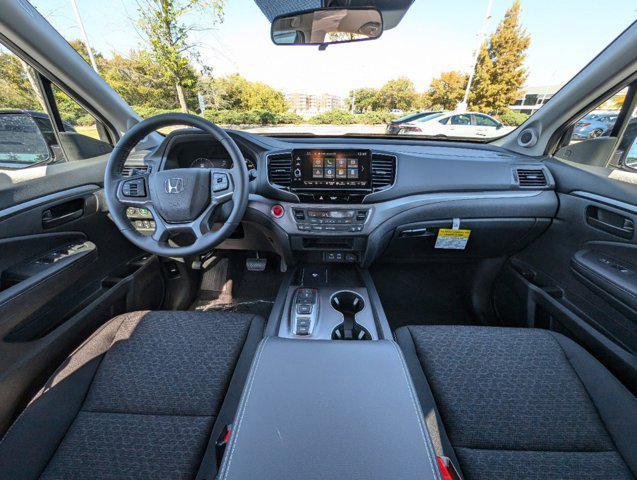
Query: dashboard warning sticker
[452,239]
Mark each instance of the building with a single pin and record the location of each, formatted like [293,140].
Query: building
[309,104]
[328,102]
[302,103]
[531,99]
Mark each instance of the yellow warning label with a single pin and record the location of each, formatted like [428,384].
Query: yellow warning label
[454,239]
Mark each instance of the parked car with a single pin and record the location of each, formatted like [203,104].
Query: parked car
[594,125]
[397,111]
[454,125]
[394,126]
[26,137]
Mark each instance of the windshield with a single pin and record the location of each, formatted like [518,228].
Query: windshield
[482,66]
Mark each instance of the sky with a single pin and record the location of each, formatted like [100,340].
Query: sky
[433,37]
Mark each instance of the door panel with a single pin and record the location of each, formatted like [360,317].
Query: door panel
[580,276]
[64,270]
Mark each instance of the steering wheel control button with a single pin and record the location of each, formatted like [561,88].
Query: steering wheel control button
[277,211]
[134,188]
[219,182]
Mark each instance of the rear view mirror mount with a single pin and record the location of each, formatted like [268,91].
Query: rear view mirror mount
[326,26]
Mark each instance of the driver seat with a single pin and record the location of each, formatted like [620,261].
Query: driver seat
[143,397]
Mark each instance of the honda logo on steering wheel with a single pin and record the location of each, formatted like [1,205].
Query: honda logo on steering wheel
[174,185]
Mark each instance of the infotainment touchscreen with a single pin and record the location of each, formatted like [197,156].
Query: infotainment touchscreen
[345,169]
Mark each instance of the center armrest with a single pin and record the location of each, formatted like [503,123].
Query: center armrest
[329,409]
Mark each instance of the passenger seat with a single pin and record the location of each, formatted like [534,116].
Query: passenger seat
[520,404]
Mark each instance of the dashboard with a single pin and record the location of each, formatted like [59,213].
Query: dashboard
[349,199]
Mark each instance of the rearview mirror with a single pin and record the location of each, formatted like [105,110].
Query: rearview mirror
[325,26]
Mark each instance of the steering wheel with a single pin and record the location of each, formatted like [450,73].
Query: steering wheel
[180,200]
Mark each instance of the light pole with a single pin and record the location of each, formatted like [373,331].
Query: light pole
[462,106]
[84,36]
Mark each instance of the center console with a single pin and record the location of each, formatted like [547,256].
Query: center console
[326,409]
[327,302]
[329,394]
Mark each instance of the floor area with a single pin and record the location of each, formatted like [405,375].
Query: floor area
[228,285]
[425,294]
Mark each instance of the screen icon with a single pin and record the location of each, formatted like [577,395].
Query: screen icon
[341,173]
[329,162]
[352,173]
[317,173]
[341,162]
[329,172]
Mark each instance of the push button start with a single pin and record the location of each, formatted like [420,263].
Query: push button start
[277,211]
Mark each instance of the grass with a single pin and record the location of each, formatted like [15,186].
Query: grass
[89,131]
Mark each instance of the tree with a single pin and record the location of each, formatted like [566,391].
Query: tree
[500,72]
[139,80]
[233,92]
[364,99]
[15,87]
[446,91]
[399,93]
[164,24]
[260,96]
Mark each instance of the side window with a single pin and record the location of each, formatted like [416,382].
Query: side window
[600,121]
[28,136]
[22,140]
[74,117]
[444,121]
[588,143]
[461,120]
[484,121]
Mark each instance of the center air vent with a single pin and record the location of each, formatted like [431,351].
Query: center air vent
[129,170]
[280,169]
[528,177]
[383,171]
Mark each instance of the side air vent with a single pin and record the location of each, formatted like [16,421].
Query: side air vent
[130,170]
[280,169]
[530,178]
[383,171]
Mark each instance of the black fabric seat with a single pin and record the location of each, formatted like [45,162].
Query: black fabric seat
[521,404]
[140,399]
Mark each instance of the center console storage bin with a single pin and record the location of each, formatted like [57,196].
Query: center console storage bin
[327,409]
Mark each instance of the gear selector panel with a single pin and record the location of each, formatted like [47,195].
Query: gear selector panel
[305,309]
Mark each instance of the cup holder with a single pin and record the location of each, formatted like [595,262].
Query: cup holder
[349,304]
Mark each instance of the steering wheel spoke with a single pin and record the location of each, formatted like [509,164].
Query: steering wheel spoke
[201,226]
[134,191]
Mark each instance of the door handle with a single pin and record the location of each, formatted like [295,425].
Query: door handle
[610,222]
[416,232]
[63,213]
